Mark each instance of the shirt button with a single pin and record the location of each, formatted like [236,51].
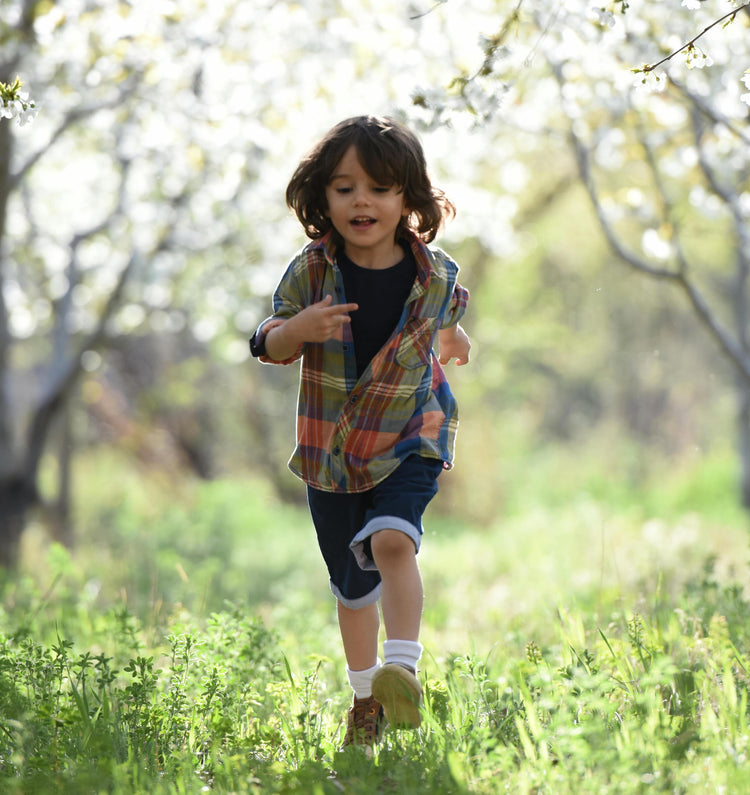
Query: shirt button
[353,399]
[336,450]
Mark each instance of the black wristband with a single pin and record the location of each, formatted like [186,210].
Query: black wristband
[258,348]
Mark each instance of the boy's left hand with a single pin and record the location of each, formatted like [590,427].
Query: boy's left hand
[455,344]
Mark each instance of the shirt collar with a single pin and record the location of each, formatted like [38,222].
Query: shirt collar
[327,244]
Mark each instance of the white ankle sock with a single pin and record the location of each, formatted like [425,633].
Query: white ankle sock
[402,652]
[361,681]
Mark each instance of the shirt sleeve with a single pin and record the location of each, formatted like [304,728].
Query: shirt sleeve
[456,306]
[290,297]
[455,298]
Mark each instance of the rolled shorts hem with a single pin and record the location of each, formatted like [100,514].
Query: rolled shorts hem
[376,524]
[356,604]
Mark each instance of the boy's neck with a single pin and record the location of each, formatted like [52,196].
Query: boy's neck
[375,260]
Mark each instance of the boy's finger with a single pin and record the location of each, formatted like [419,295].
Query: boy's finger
[339,320]
[343,308]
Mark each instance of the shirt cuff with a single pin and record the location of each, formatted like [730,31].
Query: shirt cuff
[258,340]
[258,344]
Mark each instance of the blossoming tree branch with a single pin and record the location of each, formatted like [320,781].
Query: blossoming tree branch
[694,55]
[15,104]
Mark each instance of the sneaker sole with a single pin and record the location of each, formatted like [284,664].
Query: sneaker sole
[394,687]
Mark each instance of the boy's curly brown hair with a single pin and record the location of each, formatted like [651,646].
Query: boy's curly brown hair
[390,153]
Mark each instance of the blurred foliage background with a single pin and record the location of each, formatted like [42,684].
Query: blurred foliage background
[602,232]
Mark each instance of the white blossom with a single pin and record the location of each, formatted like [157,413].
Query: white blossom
[691,4]
[649,82]
[746,80]
[28,115]
[695,58]
[15,109]
[604,17]
[15,104]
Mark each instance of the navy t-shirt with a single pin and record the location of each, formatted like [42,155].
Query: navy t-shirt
[381,295]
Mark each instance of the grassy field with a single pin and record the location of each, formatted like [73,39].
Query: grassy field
[594,641]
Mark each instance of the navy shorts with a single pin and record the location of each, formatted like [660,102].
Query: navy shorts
[345,524]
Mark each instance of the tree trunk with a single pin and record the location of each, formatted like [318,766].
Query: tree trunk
[6,440]
[61,519]
[17,497]
[743,440]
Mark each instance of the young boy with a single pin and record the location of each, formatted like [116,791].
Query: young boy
[362,305]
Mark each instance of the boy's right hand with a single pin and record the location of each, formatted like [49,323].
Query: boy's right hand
[315,323]
[322,321]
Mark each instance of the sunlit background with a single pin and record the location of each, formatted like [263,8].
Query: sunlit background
[601,229]
[165,618]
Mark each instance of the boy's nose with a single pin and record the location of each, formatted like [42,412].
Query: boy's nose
[360,196]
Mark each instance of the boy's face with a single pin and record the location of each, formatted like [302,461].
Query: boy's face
[365,214]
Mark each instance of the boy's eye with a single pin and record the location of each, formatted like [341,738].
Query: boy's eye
[345,189]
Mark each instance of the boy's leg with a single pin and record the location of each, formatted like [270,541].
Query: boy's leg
[390,537]
[359,633]
[337,517]
[395,685]
[401,597]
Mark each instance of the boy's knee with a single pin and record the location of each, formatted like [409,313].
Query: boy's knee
[391,545]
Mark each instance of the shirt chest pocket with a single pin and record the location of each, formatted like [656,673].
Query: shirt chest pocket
[415,346]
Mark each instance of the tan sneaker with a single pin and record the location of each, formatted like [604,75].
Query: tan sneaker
[398,690]
[365,722]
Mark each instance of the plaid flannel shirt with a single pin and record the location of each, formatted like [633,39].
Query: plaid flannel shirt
[353,432]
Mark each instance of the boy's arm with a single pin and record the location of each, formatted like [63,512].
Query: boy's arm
[455,344]
[453,341]
[315,323]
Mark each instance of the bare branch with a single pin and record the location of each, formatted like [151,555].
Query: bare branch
[727,343]
[667,206]
[726,194]
[583,160]
[429,10]
[680,277]
[66,376]
[731,198]
[63,305]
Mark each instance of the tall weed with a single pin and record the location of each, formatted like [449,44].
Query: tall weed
[658,703]
[189,645]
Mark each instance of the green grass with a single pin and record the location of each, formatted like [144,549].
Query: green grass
[189,644]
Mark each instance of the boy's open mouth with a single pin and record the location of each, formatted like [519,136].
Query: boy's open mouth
[362,220]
